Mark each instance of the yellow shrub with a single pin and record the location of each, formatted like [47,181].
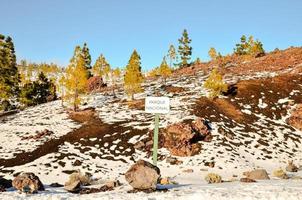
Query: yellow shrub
[215,84]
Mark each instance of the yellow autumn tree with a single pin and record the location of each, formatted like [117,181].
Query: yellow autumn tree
[212,53]
[215,84]
[164,70]
[154,72]
[116,73]
[76,78]
[101,67]
[133,77]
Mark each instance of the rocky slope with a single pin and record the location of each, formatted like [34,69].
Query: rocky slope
[250,128]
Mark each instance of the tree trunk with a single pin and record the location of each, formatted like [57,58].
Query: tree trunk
[75,100]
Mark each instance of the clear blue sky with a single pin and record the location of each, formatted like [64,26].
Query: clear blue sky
[48,30]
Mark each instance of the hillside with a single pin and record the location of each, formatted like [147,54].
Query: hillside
[250,129]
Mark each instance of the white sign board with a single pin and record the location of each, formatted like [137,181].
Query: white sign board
[158,105]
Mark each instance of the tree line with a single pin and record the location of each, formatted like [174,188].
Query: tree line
[30,84]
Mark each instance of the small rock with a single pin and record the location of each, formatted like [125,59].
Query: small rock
[143,175]
[188,171]
[213,178]
[77,163]
[210,164]
[258,174]
[173,161]
[104,188]
[247,180]
[28,183]
[113,184]
[291,167]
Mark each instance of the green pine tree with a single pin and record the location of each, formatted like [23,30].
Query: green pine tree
[87,59]
[184,49]
[9,76]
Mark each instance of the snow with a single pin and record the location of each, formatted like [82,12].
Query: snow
[49,116]
[232,156]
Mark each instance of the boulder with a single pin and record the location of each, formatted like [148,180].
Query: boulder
[85,179]
[73,187]
[247,180]
[296,117]
[200,127]
[291,167]
[181,139]
[4,183]
[178,139]
[143,175]
[28,183]
[258,174]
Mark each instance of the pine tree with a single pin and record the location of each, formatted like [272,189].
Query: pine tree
[212,53]
[133,77]
[197,61]
[164,70]
[87,59]
[215,84]
[184,49]
[9,76]
[172,54]
[40,91]
[249,47]
[76,78]
[101,67]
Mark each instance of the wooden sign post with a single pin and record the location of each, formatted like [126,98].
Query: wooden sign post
[156,105]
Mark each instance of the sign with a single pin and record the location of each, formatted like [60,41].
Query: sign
[156,105]
[160,105]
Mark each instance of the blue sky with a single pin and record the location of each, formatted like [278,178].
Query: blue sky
[48,30]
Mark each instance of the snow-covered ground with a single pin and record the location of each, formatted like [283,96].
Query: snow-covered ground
[268,144]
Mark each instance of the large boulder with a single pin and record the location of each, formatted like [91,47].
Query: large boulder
[28,183]
[296,117]
[181,139]
[258,174]
[76,180]
[143,175]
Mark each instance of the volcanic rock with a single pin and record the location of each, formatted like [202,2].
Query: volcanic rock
[143,175]
[28,183]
